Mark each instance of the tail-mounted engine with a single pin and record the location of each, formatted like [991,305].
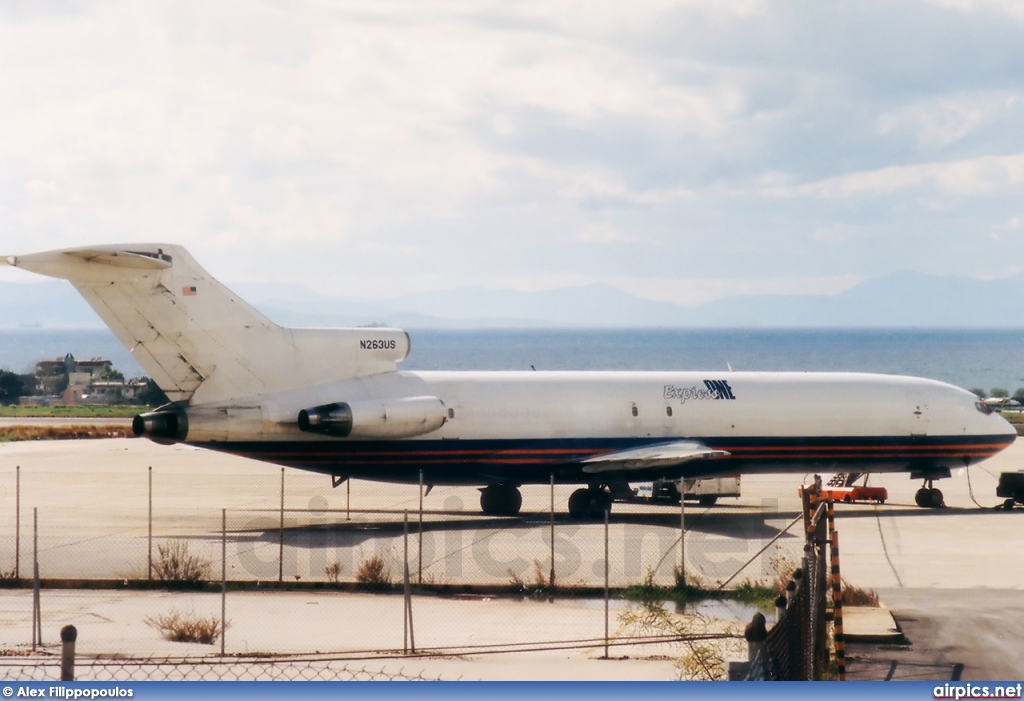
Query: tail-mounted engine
[382,418]
[166,425]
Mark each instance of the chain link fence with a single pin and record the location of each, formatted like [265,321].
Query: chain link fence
[193,669]
[796,648]
[286,527]
[264,528]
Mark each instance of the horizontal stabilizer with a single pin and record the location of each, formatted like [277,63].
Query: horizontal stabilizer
[651,457]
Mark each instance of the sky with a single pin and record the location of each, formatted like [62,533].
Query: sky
[680,151]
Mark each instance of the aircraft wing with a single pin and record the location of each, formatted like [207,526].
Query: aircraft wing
[651,457]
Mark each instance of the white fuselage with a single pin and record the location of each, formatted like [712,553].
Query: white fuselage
[516,426]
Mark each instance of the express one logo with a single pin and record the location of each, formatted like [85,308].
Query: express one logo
[713,389]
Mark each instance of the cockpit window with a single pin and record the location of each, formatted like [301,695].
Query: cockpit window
[985,408]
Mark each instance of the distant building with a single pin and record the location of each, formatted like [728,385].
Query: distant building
[67,381]
[68,364]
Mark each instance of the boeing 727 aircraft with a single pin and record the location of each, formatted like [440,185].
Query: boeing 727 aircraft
[334,401]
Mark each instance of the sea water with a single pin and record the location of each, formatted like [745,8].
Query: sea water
[967,358]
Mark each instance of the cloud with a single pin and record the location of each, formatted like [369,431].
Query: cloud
[391,146]
[973,178]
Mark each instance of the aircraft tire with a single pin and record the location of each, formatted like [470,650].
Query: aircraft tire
[707,500]
[589,504]
[935,499]
[921,497]
[500,500]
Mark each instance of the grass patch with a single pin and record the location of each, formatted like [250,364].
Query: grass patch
[10,434]
[694,589]
[83,412]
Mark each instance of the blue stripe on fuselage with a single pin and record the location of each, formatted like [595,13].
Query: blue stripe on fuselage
[533,461]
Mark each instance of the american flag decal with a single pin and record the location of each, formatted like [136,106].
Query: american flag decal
[188,291]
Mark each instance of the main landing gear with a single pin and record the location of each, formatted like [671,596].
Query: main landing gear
[584,504]
[500,500]
[589,503]
[928,497]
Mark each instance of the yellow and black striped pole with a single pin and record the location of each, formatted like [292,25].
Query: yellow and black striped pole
[837,609]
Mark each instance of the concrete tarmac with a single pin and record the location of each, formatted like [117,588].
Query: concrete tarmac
[955,567]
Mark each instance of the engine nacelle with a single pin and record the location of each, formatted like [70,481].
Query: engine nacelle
[166,425]
[376,418]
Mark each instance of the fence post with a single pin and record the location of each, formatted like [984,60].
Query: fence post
[682,532]
[280,536]
[419,547]
[149,568]
[37,614]
[223,577]
[408,637]
[68,635]
[755,633]
[551,578]
[17,522]
[837,610]
[607,569]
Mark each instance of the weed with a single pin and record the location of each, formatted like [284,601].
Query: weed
[176,565]
[179,628]
[542,584]
[702,660]
[647,590]
[332,571]
[782,566]
[373,573]
[691,587]
[855,596]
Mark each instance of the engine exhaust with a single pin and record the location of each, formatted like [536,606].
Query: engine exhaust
[167,425]
[331,419]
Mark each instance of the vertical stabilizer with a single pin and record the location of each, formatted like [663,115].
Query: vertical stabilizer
[198,340]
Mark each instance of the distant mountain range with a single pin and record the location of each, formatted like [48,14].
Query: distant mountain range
[900,300]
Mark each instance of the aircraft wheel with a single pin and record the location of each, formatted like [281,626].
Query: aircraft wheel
[587,504]
[1009,504]
[921,497]
[847,499]
[500,500]
[935,500]
[707,500]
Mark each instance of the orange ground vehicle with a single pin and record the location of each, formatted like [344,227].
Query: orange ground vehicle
[852,494]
